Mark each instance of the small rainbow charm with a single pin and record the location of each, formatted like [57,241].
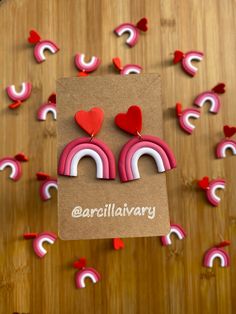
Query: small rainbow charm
[20,96]
[212,97]
[15,164]
[184,116]
[49,106]
[186,60]
[127,69]
[86,67]
[174,229]
[41,45]
[84,273]
[39,240]
[91,122]
[227,143]
[210,187]
[132,30]
[47,183]
[131,122]
[217,253]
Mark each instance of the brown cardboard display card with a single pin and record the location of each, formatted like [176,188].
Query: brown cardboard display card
[91,208]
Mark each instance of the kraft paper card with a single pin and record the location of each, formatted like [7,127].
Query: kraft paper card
[91,208]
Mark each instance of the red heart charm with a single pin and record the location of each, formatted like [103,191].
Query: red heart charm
[90,121]
[223,244]
[229,131]
[82,74]
[117,63]
[52,98]
[118,244]
[42,176]
[15,104]
[33,37]
[21,157]
[142,24]
[204,183]
[81,263]
[178,56]
[131,121]
[219,89]
[178,108]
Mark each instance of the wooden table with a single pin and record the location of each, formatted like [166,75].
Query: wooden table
[145,277]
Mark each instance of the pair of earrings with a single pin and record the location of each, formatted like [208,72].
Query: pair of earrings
[130,122]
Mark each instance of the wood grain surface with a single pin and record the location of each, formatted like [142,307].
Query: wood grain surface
[145,277]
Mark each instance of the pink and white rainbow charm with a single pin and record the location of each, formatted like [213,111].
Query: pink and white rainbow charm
[186,60]
[22,95]
[214,253]
[84,66]
[212,97]
[185,116]
[223,146]
[132,30]
[46,185]
[39,240]
[211,187]
[85,272]
[128,68]
[44,109]
[96,149]
[16,170]
[174,229]
[41,46]
[15,164]
[147,145]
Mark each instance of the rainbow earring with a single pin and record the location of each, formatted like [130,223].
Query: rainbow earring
[91,122]
[131,122]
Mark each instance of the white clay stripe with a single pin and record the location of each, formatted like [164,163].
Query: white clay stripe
[48,187]
[175,231]
[40,244]
[213,191]
[46,111]
[22,91]
[228,146]
[189,62]
[187,121]
[43,47]
[87,64]
[127,30]
[12,166]
[220,256]
[87,275]
[212,100]
[146,151]
[131,70]
[86,152]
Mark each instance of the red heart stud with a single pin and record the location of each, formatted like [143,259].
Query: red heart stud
[142,24]
[21,157]
[219,89]
[42,176]
[117,63]
[33,37]
[178,109]
[178,56]
[118,244]
[223,244]
[131,121]
[81,263]
[204,183]
[229,131]
[15,104]
[52,98]
[90,121]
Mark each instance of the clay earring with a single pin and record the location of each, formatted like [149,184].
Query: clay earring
[131,122]
[91,122]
